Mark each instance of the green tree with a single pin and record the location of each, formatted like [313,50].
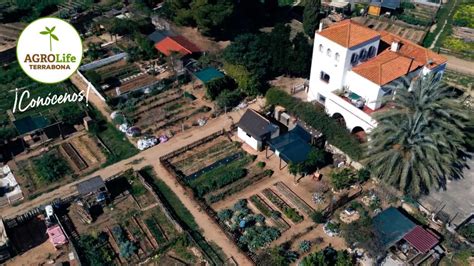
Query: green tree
[218,85]
[71,114]
[212,16]
[280,49]
[418,143]
[311,16]
[228,99]
[246,82]
[301,57]
[50,167]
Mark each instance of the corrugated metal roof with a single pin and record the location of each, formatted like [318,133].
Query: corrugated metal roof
[421,239]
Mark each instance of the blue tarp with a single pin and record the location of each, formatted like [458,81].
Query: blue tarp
[208,74]
[293,146]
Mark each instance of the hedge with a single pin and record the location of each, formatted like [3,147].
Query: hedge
[316,117]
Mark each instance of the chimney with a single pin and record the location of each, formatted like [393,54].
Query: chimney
[394,47]
[320,26]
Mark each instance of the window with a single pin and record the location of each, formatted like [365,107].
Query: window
[354,59]
[324,77]
[328,52]
[321,98]
[371,52]
[363,55]
[321,48]
[336,56]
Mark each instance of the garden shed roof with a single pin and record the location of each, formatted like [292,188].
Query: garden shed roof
[208,74]
[390,4]
[29,124]
[292,146]
[391,226]
[421,239]
[255,124]
[91,185]
[176,44]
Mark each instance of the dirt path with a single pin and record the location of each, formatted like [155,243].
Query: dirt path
[460,65]
[151,157]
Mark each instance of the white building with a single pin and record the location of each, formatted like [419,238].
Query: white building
[255,129]
[354,67]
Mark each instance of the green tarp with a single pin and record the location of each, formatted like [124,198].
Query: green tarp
[29,124]
[208,74]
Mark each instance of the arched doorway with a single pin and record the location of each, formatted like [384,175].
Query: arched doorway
[360,134]
[339,119]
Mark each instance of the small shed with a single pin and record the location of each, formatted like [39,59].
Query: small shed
[255,129]
[93,189]
[391,226]
[56,236]
[379,7]
[177,44]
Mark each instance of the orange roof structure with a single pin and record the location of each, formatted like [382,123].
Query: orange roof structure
[409,49]
[176,44]
[348,33]
[386,67]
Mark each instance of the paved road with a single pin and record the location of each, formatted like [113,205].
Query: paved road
[209,228]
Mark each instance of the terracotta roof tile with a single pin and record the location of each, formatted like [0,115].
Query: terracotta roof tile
[176,44]
[386,67]
[348,33]
[412,50]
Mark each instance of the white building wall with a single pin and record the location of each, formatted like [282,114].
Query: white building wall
[255,144]
[366,89]
[353,116]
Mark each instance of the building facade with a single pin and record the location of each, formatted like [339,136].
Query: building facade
[354,67]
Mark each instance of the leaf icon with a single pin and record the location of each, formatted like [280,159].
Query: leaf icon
[49,31]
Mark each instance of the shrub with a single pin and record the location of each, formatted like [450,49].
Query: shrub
[293,215]
[305,246]
[363,175]
[468,232]
[225,214]
[317,118]
[318,217]
[261,164]
[228,99]
[51,167]
[343,178]
[268,172]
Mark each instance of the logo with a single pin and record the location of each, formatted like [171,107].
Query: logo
[49,50]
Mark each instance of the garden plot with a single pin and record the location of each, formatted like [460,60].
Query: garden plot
[43,172]
[169,111]
[413,34]
[131,228]
[213,165]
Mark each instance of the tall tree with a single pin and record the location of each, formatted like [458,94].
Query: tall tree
[301,57]
[311,16]
[418,143]
[212,16]
[280,49]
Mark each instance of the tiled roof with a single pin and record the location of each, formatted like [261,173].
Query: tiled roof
[176,44]
[255,124]
[421,239]
[412,50]
[348,33]
[386,67]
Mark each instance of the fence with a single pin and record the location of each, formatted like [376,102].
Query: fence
[90,86]
[202,205]
[103,62]
[160,203]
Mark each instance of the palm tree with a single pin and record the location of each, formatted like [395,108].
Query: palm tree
[49,31]
[419,142]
